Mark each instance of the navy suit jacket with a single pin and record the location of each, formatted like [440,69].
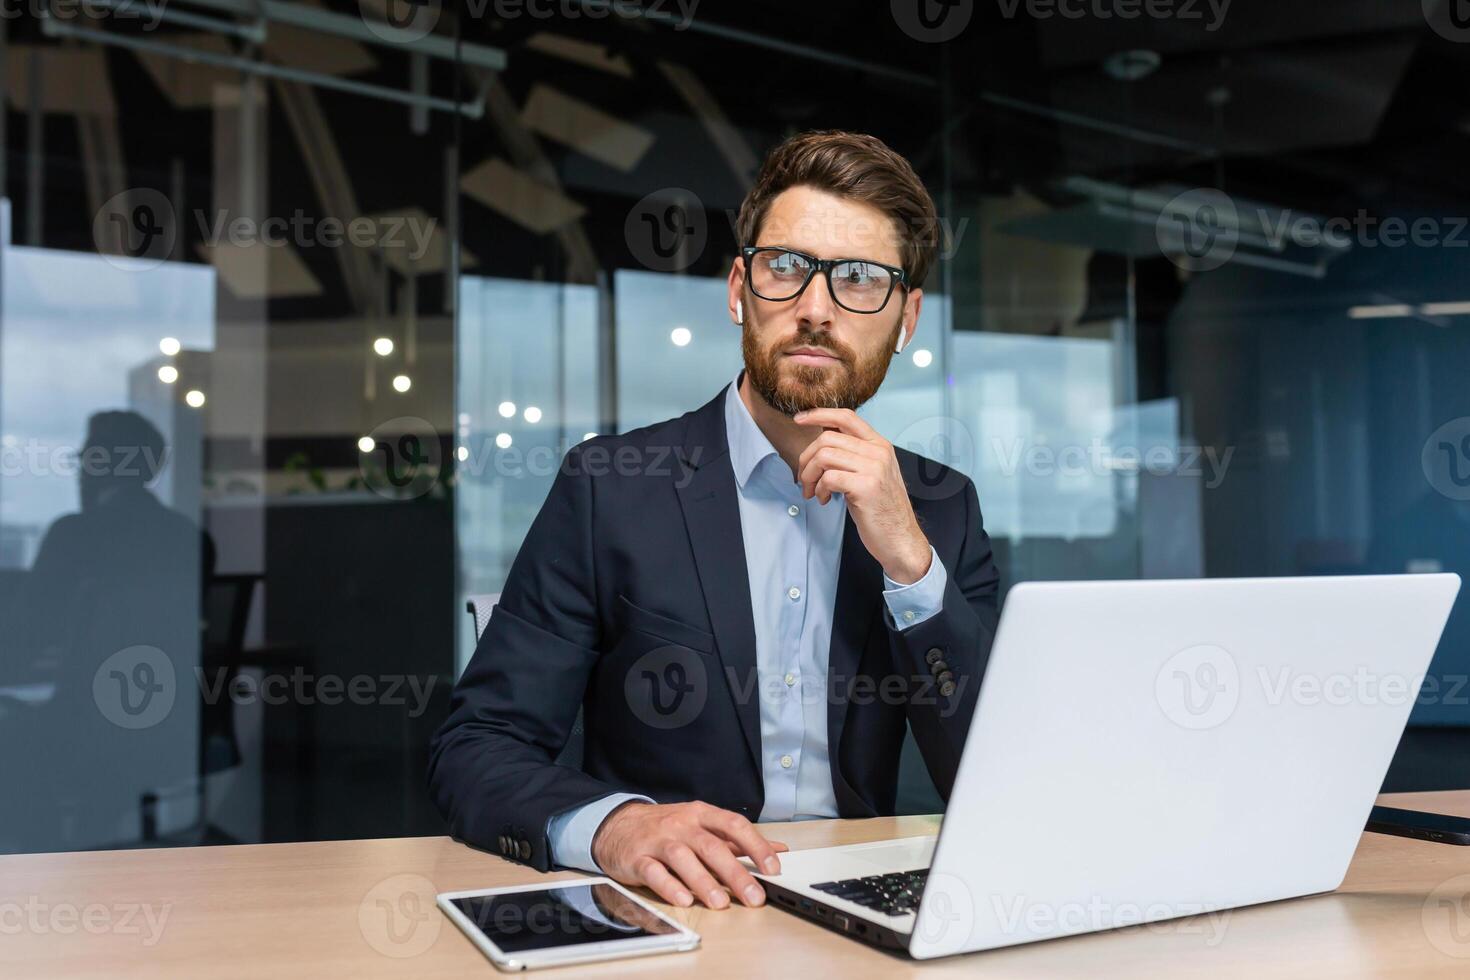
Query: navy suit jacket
[629,599]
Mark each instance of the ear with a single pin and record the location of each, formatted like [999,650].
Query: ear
[735,287]
[911,306]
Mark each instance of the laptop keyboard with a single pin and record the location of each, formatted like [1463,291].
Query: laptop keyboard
[896,893]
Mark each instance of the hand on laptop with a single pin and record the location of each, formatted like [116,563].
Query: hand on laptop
[683,850]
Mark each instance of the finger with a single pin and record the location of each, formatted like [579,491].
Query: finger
[842,441]
[739,851]
[735,828]
[835,481]
[829,458]
[652,873]
[686,864]
[717,857]
[841,419]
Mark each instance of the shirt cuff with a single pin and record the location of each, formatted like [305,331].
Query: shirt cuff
[910,605]
[570,834]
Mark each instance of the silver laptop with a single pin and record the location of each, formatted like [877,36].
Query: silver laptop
[1147,750]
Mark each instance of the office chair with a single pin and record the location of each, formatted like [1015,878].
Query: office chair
[480,607]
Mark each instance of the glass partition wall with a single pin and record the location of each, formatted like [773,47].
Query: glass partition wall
[300,308]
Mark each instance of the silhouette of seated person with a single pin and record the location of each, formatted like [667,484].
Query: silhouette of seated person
[124,572]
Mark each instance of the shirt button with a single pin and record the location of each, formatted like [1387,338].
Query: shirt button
[908,615]
[794,592]
[793,510]
[790,679]
[786,762]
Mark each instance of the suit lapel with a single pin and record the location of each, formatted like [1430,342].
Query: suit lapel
[712,517]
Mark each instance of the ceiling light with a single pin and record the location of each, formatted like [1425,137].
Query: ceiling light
[503,440]
[402,382]
[383,346]
[1446,309]
[168,374]
[366,444]
[532,414]
[194,397]
[923,358]
[681,336]
[507,410]
[170,346]
[1375,312]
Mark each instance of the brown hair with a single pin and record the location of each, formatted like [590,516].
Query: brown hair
[855,166]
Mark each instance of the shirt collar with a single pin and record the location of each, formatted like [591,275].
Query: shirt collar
[748,444]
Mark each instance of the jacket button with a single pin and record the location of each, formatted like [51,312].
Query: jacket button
[525,850]
[946,688]
[934,655]
[504,844]
[946,677]
[938,667]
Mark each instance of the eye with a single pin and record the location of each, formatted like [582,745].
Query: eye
[786,264]
[859,274]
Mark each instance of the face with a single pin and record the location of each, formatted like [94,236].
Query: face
[809,352]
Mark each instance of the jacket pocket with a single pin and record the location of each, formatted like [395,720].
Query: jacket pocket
[640,619]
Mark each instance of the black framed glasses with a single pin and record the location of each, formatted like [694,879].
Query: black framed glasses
[856,285]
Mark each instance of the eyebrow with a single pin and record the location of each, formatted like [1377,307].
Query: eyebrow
[835,258]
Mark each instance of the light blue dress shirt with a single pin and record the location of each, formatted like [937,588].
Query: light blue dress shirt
[793,548]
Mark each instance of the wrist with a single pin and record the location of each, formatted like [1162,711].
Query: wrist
[607,830]
[913,565]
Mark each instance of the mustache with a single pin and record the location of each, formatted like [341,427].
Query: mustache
[816,343]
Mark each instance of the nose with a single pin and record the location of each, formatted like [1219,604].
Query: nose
[814,307]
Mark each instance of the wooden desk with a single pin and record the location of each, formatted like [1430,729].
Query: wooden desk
[313,910]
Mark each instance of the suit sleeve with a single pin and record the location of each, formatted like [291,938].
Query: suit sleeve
[492,769]
[944,656]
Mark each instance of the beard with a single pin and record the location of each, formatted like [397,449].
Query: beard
[792,388]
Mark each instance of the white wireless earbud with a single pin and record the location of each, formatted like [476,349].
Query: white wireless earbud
[899,348]
[740,312]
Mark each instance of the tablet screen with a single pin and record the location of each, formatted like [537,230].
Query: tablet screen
[560,916]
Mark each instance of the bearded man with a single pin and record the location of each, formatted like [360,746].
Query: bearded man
[750,603]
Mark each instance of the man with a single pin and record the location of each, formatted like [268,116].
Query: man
[748,602]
